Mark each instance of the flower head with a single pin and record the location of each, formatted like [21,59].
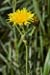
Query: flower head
[35,20]
[21,17]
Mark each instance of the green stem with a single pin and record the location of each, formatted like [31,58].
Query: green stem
[19,30]
[15,44]
[14,5]
[15,38]
[12,73]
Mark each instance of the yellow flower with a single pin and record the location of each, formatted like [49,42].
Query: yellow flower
[21,17]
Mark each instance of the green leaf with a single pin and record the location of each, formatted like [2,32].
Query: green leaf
[5,1]
[49,8]
[5,8]
[46,65]
[4,59]
[4,71]
[37,11]
[4,48]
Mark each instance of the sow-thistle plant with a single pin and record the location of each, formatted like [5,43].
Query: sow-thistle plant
[21,17]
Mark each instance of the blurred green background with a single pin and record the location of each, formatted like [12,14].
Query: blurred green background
[27,53]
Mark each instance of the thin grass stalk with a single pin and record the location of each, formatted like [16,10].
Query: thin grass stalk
[14,30]
[46,64]
[26,60]
[18,30]
[4,71]
[12,73]
[14,5]
[49,8]
[30,63]
[37,11]
[25,43]
[15,44]
[41,43]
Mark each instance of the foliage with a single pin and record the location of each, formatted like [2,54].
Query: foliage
[25,50]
